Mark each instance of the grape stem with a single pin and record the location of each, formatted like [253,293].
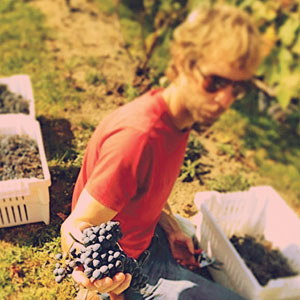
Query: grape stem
[76,240]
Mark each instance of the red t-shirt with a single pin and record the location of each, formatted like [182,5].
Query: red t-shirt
[131,163]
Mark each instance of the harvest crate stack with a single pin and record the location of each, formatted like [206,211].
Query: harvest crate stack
[22,199]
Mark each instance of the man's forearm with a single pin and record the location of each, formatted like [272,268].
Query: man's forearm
[87,212]
[168,221]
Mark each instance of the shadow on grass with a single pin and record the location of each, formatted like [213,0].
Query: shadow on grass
[58,139]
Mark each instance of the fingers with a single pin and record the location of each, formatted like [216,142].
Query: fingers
[116,297]
[190,245]
[123,285]
[81,279]
[117,284]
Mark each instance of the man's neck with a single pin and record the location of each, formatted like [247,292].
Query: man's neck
[181,118]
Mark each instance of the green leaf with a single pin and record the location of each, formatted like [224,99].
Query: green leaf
[286,60]
[287,31]
[296,47]
[288,88]
[265,11]
[284,97]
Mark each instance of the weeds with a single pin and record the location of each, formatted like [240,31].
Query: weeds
[229,183]
[94,78]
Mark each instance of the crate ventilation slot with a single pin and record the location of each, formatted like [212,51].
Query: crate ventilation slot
[13,214]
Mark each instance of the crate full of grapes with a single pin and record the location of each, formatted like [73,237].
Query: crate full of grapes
[24,173]
[16,96]
[255,234]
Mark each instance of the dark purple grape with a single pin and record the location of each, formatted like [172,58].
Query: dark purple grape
[104,256]
[72,264]
[96,247]
[58,256]
[60,271]
[110,259]
[93,237]
[104,270]
[59,278]
[96,263]
[102,232]
[55,272]
[97,274]
[88,262]
[88,272]
[95,255]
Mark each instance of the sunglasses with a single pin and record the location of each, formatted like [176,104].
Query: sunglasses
[214,83]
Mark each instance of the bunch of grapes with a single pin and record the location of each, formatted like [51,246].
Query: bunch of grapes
[19,157]
[11,102]
[101,256]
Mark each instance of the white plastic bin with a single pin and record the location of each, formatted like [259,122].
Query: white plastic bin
[21,85]
[258,211]
[24,200]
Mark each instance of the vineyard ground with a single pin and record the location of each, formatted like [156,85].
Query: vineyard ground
[88,52]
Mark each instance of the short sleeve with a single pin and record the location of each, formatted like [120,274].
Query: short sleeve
[115,176]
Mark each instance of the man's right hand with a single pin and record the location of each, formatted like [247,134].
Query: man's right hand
[115,286]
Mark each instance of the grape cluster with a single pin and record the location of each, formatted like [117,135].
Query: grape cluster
[101,256]
[19,157]
[11,102]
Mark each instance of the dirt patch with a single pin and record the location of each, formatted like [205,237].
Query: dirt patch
[82,32]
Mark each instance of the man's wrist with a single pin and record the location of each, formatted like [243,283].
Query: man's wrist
[168,223]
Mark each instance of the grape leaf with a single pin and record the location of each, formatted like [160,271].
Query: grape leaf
[287,31]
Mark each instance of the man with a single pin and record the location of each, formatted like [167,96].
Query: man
[135,154]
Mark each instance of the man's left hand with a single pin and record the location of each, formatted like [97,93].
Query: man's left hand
[182,248]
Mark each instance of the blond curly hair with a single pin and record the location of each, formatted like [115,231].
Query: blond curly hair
[219,32]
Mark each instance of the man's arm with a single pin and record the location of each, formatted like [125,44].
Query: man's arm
[89,212]
[167,220]
[181,245]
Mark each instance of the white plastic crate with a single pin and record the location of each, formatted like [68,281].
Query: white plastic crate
[21,85]
[258,211]
[24,200]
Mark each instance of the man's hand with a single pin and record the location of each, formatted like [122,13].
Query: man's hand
[115,286]
[182,248]
[182,245]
